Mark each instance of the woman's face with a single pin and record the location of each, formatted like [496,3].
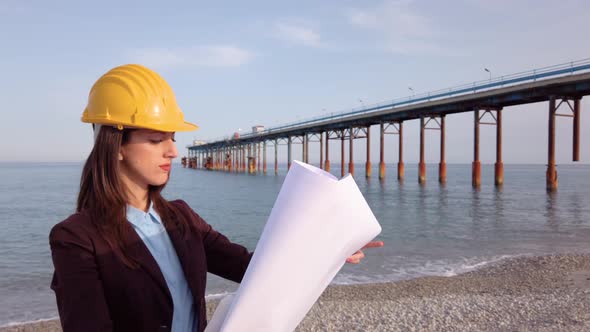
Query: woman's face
[146,157]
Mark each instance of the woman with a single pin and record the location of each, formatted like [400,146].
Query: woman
[128,259]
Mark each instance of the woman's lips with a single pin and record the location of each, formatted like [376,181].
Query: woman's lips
[165,167]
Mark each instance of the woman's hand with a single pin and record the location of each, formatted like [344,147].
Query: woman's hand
[359,255]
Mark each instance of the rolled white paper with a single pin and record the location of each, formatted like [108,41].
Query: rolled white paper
[316,222]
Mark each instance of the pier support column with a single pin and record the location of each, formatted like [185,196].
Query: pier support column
[499,166]
[248,154]
[400,164]
[422,164]
[248,157]
[327,162]
[244,169]
[321,150]
[276,156]
[212,158]
[442,166]
[289,153]
[252,158]
[342,161]
[304,148]
[258,158]
[219,164]
[381,151]
[350,149]
[576,138]
[476,166]
[368,163]
[255,150]
[551,169]
[264,157]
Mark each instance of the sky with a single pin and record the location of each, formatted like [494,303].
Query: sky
[236,64]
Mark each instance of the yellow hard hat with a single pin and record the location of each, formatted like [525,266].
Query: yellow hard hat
[134,96]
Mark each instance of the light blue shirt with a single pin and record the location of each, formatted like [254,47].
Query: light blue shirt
[151,230]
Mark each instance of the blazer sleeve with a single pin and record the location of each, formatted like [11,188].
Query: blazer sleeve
[224,258]
[76,281]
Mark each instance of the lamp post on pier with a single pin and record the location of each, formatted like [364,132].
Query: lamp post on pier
[489,72]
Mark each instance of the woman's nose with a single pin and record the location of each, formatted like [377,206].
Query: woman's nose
[171,151]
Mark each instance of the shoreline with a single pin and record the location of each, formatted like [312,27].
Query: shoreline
[542,293]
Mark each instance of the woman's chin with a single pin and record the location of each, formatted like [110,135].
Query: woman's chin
[160,181]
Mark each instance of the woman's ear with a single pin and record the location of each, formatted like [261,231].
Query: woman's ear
[120,153]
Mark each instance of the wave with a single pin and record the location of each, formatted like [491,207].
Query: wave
[214,296]
[430,268]
[41,320]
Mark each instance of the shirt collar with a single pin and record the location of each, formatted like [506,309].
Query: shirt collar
[135,215]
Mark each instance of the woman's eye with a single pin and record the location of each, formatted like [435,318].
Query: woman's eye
[160,140]
[174,140]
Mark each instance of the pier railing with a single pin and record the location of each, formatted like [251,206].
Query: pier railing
[564,69]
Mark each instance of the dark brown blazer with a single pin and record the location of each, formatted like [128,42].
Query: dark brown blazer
[95,291]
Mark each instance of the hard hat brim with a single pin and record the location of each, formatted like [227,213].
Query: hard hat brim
[182,126]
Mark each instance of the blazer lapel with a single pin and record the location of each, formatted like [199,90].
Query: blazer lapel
[181,246]
[141,254]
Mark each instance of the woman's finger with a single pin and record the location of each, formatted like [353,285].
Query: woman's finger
[356,257]
[373,244]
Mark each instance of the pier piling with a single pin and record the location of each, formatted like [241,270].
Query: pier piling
[321,150]
[551,169]
[422,164]
[442,166]
[351,148]
[327,162]
[576,134]
[289,141]
[400,165]
[381,151]
[499,166]
[342,161]
[368,162]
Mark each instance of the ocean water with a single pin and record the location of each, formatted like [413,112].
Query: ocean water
[427,230]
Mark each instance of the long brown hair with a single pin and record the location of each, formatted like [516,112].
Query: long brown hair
[103,195]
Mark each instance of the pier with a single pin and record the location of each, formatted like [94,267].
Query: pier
[561,86]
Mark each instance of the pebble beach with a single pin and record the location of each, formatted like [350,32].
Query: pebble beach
[547,293]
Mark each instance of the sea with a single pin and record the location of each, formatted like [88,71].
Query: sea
[428,230]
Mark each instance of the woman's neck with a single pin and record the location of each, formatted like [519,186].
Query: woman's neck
[137,195]
[139,201]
